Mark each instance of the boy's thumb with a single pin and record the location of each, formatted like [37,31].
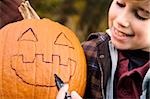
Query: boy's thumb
[75,95]
[62,92]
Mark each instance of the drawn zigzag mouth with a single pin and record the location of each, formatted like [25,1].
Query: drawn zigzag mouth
[13,66]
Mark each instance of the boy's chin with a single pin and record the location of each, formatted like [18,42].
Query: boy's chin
[121,46]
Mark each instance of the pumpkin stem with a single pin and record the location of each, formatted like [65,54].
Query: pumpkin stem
[27,11]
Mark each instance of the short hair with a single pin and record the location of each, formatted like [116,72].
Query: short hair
[139,2]
[136,1]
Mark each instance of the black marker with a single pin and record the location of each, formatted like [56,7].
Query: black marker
[59,84]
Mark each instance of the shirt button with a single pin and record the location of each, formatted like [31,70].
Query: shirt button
[125,92]
[101,56]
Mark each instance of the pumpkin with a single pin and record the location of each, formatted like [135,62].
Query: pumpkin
[31,52]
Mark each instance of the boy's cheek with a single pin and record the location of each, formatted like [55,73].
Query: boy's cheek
[112,15]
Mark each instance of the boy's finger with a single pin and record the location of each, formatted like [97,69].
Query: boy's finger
[62,92]
[75,95]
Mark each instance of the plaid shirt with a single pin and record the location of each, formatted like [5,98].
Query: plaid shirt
[99,64]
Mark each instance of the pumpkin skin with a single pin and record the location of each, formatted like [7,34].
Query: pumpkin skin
[31,52]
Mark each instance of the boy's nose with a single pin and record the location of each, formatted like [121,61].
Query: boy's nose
[123,20]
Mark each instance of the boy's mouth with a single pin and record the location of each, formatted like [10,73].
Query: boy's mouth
[122,34]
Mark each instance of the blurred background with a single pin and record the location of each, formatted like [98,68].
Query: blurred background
[81,16]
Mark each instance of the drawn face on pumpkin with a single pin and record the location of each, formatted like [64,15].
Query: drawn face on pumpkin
[33,62]
[35,52]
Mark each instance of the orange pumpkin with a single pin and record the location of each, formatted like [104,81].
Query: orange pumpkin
[31,52]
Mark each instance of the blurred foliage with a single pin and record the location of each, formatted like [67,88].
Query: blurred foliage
[81,16]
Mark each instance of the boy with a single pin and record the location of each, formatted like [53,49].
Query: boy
[119,60]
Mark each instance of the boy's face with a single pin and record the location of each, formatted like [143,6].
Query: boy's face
[130,25]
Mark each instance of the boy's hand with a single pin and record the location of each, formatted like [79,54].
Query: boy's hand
[63,90]
[75,95]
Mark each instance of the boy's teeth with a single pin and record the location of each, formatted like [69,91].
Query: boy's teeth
[119,33]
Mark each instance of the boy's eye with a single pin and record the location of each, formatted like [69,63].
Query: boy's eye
[140,14]
[120,4]
[139,17]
